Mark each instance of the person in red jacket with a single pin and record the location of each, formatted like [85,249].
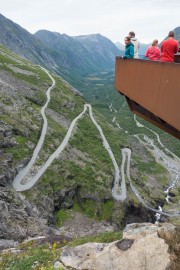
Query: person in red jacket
[153,52]
[169,48]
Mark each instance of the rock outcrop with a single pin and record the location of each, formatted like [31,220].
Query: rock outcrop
[20,218]
[144,246]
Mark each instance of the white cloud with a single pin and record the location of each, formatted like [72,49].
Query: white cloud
[114,19]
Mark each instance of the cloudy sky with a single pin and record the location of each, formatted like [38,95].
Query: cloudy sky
[149,19]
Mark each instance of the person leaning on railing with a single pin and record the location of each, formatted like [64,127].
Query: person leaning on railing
[169,48]
[153,52]
[129,48]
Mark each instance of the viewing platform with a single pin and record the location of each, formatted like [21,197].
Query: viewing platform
[152,90]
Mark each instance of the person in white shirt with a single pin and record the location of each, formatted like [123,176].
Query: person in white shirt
[136,43]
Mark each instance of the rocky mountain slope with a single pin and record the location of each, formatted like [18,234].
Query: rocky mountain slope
[81,178]
[73,177]
[19,40]
[73,197]
[72,56]
[91,52]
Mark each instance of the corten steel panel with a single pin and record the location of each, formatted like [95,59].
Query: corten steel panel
[153,85]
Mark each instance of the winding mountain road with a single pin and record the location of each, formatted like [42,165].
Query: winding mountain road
[22,173]
[17,182]
[163,156]
[126,152]
[171,164]
[118,192]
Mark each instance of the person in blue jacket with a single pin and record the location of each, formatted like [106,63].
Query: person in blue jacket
[129,48]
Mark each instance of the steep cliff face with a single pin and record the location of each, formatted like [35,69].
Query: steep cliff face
[20,217]
[19,40]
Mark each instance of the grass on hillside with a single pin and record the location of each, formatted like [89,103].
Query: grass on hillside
[100,92]
[42,257]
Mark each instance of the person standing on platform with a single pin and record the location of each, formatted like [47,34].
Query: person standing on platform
[153,52]
[129,48]
[135,42]
[169,48]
